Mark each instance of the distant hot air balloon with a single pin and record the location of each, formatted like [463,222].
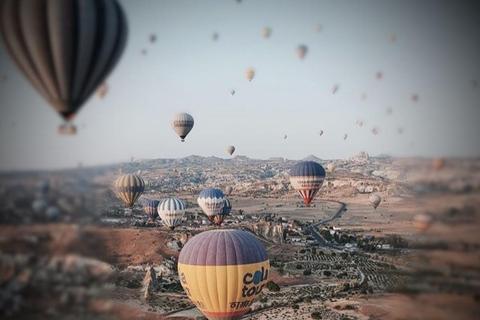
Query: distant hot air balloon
[131,158]
[102,90]
[345,136]
[335,88]
[250,73]
[65,49]
[302,51]
[139,172]
[150,208]
[227,208]
[211,201]
[152,38]
[39,205]
[359,123]
[392,37]
[267,32]
[415,97]
[285,137]
[422,222]
[228,190]
[363,96]
[223,272]
[375,200]
[129,188]
[319,27]
[171,211]
[331,167]
[379,75]
[215,36]
[374,131]
[230,150]
[307,178]
[232,92]
[438,164]
[320,133]
[182,123]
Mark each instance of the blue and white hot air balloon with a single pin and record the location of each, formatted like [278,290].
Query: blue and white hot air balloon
[150,208]
[212,202]
[307,178]
[171,211]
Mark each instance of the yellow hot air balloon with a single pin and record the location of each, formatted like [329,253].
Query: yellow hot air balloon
[129,188]
[331,167]
[250,73]
[223,272]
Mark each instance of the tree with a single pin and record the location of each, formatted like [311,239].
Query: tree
[307,272]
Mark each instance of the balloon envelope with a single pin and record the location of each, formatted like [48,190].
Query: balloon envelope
[302,51]
[375,200]
[66,49]
[182,123]
[223,272]
[150,208]
[307,178]
[129,188]
[227,208]
[211,201]
[171,211]
[230,150]
[249,74]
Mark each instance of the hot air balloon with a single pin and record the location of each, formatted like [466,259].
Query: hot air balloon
[307,178]
[215,36]
[438,164]
[320,133]
[232,92]
[223,272]
[171,211]
[379,75]
[228,190]
[267,32]
[335,88]
[182,123]
[250,73]
[359,123]
[374,131]
[392,37]
[39,205]
[363,96]
[227,208]
[129,188]
[131,158]
[302,51]
[375,200]
[150,208]
[345,136]
[331,167]
[211,201]
[285,137]
[102,90]
[152,38]
[319,27]
[230,150]
[415,97]
[66,49]
[422,222]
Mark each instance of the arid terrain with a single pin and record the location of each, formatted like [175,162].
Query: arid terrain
[338,259]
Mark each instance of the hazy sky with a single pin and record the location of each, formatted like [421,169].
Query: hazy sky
[436,55]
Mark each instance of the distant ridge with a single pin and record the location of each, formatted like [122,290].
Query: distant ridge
[312,158]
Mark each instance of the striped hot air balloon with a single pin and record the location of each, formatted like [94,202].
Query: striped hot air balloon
[211,201]
[375,200]
[227,208]
[150,209]
[228,190]
[223,272]
[249,74]
[182,123]
[129,188]
[65,49]
[307,178]
[171,211]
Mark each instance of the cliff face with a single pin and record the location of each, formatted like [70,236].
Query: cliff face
[272,231]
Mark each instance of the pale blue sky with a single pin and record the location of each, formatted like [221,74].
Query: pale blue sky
[436,54]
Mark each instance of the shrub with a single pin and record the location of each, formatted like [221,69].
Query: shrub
[272,286]
[307,272]
[316,315]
